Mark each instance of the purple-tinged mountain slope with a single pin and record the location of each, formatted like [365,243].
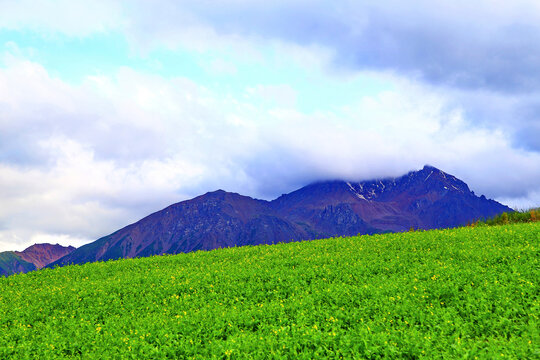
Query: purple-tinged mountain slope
[216,219]
[32,258]
[44,254]
[424,199]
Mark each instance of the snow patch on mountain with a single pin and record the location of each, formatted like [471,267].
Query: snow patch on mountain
[360,196]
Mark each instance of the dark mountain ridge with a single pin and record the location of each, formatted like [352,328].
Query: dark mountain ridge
[424,199]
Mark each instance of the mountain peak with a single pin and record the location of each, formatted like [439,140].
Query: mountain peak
[428,167]
[43,254]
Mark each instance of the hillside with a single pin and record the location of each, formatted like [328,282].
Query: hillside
[441,294]
[424,199]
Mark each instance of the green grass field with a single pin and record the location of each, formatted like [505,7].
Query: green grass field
[454,294]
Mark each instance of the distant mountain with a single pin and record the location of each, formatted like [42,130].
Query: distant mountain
[43,254]
[424,199]
[35,257]
[11,263]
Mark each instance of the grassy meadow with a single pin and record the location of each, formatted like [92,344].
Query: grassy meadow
[462,293]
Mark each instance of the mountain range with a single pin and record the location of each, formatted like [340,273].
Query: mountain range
[424,199]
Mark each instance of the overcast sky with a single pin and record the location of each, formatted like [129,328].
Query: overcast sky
[110,110]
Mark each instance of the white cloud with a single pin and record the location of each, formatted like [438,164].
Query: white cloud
[282,95]
[220,67]
[64,17]
[80,197]
[531,200]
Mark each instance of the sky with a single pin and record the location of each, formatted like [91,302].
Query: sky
[111,110]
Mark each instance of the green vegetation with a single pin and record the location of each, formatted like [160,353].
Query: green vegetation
[516,217]
[458,293]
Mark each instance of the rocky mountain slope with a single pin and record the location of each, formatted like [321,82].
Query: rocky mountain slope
[424,199]
[35,257]
[43,254]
